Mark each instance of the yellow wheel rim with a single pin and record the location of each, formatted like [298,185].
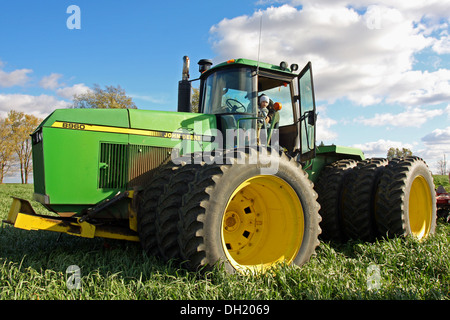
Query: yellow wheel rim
[420,208]
[263,224]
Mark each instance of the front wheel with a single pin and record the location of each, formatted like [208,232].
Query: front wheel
[247,220]
[406,199]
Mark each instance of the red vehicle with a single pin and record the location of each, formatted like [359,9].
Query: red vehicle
[443,203]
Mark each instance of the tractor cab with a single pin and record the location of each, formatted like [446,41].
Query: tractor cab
[232,90]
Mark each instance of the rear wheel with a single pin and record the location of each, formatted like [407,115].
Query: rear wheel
[359,199]
[330,189]
[247,220]
[406,202]
[148,206]
[167,215]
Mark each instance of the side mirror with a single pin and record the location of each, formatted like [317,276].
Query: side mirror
[312,117]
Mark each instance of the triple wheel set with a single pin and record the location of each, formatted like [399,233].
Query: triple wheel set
[202,214]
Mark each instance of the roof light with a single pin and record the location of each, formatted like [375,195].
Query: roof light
[294,67]
[231,61]
[283,65]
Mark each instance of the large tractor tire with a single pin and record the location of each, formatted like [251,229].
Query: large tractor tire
[244,220]
[406,199]
[358,216]
[167,212]
[148,206]
[330,190]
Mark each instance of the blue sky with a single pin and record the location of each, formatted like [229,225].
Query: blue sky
[382,70]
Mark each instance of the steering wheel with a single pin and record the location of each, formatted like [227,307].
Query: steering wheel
[236,106]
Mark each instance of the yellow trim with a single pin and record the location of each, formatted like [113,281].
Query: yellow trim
[420,208]
[22,216]
[142,132]
[132,215]
[14,210]
[263,224]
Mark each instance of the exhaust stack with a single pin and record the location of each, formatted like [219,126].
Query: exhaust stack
[185,88]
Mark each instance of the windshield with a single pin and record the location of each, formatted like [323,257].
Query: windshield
[229,91]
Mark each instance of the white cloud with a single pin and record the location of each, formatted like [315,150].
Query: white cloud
[411,117]
[438,136]
[359,51]
[379,148]
[414,9]
[437,143]
[323,129]
[14,78]
[69,92]
[40,106]
[51,81]
[442,45]
[418,88]
[323,125]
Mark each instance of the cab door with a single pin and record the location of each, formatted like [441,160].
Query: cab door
[307,116]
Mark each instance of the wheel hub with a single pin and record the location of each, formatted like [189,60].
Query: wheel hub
[232,221]
[262,223]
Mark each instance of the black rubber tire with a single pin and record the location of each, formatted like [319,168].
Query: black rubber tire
[148,205]
[395,212]
[204,206]
[329,187]
[358,214]
[167,215]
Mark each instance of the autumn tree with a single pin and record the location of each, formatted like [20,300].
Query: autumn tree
[398,153]
[195,99]
[21,126]
[109,98]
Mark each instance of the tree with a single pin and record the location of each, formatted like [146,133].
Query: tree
[397,153]
[6,149]
[21,126]
[109,98]
[442,166]
[195,99]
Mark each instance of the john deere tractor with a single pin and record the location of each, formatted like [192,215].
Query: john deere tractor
[227,184]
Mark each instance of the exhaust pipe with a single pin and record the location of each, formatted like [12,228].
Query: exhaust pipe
[184,88]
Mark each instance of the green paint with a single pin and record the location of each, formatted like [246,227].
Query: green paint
[67,162]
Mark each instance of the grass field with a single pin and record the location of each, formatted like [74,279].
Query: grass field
[442,180]
[33,265]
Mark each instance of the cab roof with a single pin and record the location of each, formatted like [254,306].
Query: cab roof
[253,63]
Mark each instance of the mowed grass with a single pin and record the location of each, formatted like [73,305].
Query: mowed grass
[33,265]
[440,180]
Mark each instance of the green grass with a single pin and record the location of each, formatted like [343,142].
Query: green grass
[442,180]
[33,266]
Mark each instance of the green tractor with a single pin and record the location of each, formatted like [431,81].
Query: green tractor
[231,183]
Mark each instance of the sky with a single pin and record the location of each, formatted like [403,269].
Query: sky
[381,68]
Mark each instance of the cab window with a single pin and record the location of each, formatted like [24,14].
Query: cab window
[278,91]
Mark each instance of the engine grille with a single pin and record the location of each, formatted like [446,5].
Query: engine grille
[124,166]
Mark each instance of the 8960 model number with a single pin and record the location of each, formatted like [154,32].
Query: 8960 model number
[75,126]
